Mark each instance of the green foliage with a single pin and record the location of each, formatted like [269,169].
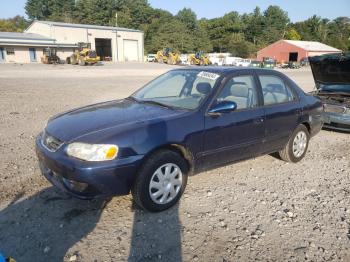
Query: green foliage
[275,23]
[335,33]
[242,35]
[188,18]
[15,24]
[55,10]
[292,34]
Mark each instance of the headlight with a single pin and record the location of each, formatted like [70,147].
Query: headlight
[92,152]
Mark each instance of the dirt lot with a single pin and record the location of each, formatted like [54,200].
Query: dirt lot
[262,209]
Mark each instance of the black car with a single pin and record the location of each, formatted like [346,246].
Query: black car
[332,78]
[184,122]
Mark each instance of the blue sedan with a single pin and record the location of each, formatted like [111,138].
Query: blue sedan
[182,123]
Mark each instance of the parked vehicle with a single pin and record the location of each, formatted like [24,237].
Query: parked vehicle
[256,64]
[50,56]
[168,56]
[268,63]
[231,61]
[217,61]
[184,59]
[243,62]
[151,58]
[84,55]
[305,61]
[332,78]
[291,65]
[184,122]
[199,58]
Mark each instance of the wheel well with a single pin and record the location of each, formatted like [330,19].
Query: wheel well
[182,151]
[307,125]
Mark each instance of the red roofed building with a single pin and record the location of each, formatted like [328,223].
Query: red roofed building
[294,51]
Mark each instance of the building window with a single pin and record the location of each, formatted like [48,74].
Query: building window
[10,51]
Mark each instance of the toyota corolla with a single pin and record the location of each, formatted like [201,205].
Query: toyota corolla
[182,123]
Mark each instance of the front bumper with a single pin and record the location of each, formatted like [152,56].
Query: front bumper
[340,122]
[87,180]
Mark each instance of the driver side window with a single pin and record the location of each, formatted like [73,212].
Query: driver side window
[241,90]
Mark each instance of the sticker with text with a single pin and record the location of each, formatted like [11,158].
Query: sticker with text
[208,75]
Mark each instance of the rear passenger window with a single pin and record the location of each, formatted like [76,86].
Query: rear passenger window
[241,90]
[275,90]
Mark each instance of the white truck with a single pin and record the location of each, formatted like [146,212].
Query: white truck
[231,60]
[243,62]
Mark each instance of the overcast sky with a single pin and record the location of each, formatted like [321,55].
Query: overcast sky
[297,9]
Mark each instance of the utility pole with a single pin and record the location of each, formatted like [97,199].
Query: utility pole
[116,19]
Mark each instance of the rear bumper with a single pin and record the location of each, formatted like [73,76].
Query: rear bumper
[340,122]
[87,180]
[316,123]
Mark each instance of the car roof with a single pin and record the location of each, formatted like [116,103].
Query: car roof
[225,70]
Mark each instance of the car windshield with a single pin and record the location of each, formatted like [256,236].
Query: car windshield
[335,88]
[182,89]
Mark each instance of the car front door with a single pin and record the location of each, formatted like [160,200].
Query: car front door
[237,135]
[282,110]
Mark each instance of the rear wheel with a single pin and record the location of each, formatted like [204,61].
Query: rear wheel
[297,145]
[161,181]
[82,62]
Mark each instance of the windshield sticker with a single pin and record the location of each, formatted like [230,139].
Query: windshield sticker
[208,75]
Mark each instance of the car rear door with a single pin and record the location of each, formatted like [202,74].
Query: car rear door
[229,137]
[282,110]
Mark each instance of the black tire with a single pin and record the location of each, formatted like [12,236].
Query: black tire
[141,187]
[287,153]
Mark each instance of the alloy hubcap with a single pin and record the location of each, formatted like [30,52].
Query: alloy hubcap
[299,144]
[165,183]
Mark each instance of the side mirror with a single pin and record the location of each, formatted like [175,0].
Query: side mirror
[223,107]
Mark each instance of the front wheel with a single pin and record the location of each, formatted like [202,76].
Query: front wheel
[161,181]
[297,145]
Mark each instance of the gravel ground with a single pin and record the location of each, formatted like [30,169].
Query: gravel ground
[262,209]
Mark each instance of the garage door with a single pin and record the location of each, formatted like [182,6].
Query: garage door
[131,51]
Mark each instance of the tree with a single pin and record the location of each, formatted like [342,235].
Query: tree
[253,26]
[95,12]
[242,35]
[188,18]
[275,24]
[292,34]
[15,24]
[37,9]
[57,10]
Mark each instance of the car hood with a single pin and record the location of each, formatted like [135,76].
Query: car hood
[331,69]
[76,123]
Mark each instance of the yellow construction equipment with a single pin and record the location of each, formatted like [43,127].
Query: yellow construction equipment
[50,56]
[83,56]
[168,56]
[199,58]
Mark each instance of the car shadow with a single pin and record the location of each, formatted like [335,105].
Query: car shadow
[46,225]
[156,236]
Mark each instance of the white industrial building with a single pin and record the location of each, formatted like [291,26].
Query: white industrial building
[111,43]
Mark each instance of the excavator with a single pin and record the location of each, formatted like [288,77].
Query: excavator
[168,56]
[199,58]
[84,55]
[50,56]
